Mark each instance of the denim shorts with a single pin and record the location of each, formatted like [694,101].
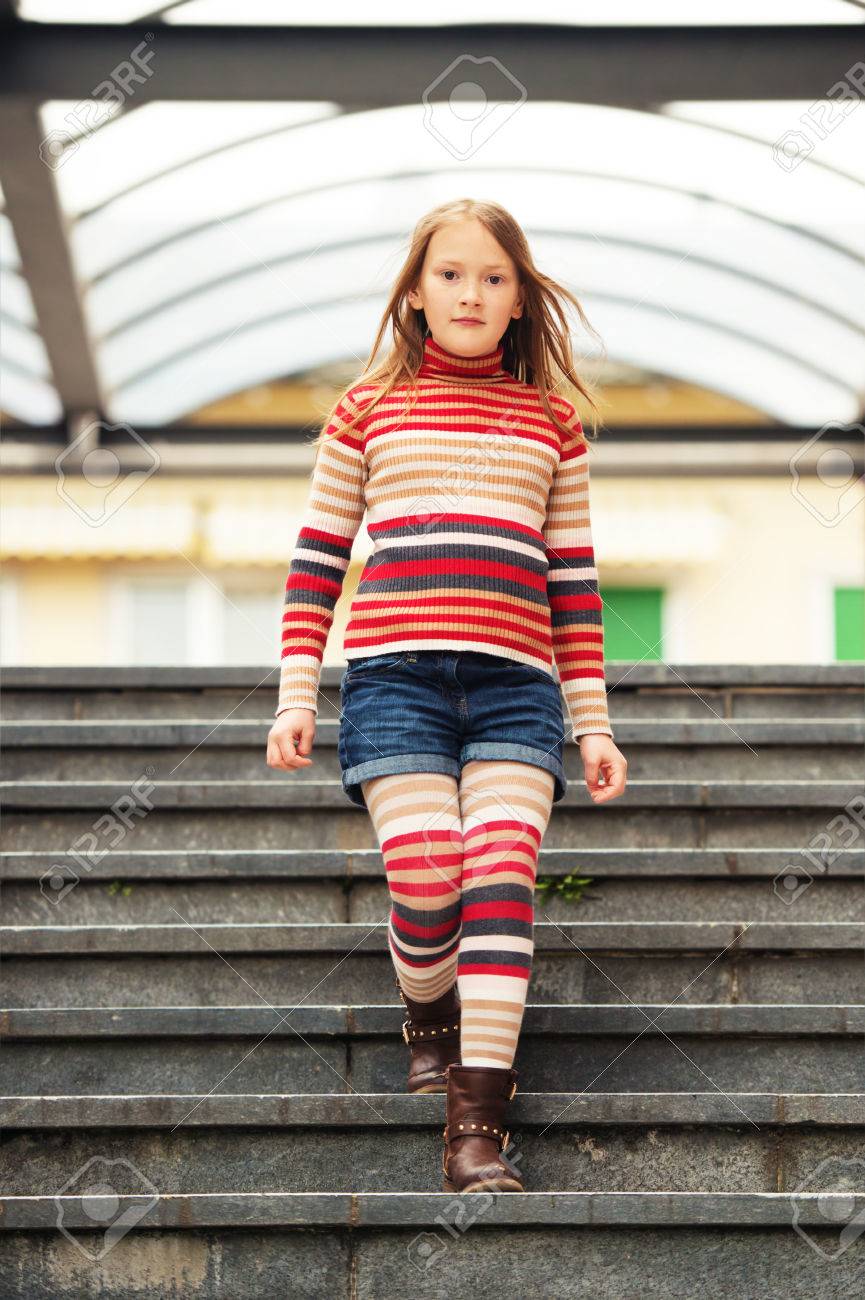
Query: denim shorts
[436,710]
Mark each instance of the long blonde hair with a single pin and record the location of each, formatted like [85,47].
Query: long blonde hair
[536,345]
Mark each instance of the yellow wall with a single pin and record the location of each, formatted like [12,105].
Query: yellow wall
[748,569]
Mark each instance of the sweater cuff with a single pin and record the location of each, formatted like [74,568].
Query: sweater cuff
[587,711]
[298,683]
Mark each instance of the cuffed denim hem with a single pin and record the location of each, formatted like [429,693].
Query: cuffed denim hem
[393,766]
[490,750]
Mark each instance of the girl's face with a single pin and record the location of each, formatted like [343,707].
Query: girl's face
[467,277]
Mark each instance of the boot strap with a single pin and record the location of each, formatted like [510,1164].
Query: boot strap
[412,1032]
[479,1129]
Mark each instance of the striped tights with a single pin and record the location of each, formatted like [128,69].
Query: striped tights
[461,860]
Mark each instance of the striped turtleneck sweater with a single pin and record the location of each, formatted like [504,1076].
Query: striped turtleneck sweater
[478,513]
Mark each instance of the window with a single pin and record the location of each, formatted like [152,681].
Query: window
[251,625]
[850,622]
[157,627]
[632,622]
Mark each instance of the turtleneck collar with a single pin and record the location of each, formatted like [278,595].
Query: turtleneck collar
[439,363]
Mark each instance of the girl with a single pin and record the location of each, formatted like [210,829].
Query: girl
[474,471]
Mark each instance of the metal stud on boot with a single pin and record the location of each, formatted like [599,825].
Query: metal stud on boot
[475,1135]
[432,1032]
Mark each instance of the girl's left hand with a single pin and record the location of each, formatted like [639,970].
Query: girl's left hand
[601,756]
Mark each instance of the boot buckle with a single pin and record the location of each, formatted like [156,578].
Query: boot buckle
[405,1025]
[512,1091]
[506,1137]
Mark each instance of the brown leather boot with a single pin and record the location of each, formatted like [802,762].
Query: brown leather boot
[475,1135]
[432,1032]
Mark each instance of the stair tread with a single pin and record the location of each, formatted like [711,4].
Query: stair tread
[374,1109]
[310,793]
[420,1209]
[382,1020]
[344,937]
[731,862]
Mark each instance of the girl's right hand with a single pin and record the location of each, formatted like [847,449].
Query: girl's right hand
[291,738]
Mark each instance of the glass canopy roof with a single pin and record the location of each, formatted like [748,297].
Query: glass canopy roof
[224,245]
[219,246]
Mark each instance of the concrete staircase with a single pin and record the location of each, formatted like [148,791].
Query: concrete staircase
[202,1070]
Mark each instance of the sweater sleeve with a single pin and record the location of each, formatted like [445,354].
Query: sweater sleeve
[572,589]
[334,511]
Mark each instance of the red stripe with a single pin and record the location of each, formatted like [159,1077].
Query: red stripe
[508,908]
[402,926]
[453,837]
[467,565]
[314,582]
[319,535]
[484,828]
[480,968]
[434,632]
[426,890]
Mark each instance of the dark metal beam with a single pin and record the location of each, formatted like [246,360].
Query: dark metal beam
[371,66]
[665,451]
[33,207]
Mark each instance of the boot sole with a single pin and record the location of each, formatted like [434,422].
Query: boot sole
[498,1185]
[430,1087]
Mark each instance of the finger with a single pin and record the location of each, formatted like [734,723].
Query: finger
[592,769]
[306,738]
[294,758]
[614,782]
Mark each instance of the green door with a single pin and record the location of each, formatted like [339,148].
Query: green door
[632,622]
[850,622]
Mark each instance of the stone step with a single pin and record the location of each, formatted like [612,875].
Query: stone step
[575,821]
[636,690]
[815,749]
[742,1157]
[737,975]
[148,793]
[342,939]
[355,1210]
[373,1246]
[353,1110]
[131,735]
[625,705]
[638,1061]
[645,762]
[384,1021]
[366,864]
[128,900]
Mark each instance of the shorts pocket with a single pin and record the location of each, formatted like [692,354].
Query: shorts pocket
[505,664]
[369,665]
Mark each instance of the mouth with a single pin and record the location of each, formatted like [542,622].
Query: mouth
[468,320]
